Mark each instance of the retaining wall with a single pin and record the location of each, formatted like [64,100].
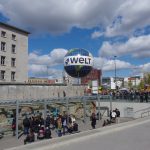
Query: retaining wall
[25,91]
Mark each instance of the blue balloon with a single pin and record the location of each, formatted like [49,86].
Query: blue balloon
[78,62]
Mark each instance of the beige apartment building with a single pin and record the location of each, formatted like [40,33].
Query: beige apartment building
[33,80]
[13,54]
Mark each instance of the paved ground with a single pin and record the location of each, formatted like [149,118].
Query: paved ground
[9,141]
[133,137]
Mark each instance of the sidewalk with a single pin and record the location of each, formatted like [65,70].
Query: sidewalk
[9,141]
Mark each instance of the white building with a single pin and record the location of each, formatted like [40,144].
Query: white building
[135,80]
[70,80]
[109,82]
[13,54]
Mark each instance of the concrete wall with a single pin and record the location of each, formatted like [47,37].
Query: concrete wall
[11,92]
[128,109]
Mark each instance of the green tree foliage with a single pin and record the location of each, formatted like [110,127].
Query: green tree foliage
[141,85]
[130,84]
[148,79]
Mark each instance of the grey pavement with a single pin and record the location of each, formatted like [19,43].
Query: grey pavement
[129,137]
[9,141]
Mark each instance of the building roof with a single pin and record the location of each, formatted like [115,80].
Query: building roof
[13,27]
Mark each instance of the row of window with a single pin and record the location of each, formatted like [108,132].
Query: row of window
[3,72]
[37,81]
[3,47]
[3,61]
[3,34]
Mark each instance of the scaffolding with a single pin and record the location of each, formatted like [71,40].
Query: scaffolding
[65,101]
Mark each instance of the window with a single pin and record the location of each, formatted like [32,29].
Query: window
[3,46]
[13,76]
[2,75]
[13,37]
[3,34]
[3,60]
[13,62]
[13,48]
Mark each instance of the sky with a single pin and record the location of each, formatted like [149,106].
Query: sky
[106,28]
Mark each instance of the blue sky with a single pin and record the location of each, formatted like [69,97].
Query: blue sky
[106,28]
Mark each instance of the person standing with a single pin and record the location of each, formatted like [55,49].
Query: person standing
[26,124]
[59,126]
[93,120]
[14,126]
[64,124]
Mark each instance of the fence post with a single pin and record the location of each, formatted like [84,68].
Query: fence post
[99,113]
[17,118]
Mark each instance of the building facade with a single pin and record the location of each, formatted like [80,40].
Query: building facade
[110,83]
[70,80]
[33,80]
[134,81]
[13,54]
[95,74]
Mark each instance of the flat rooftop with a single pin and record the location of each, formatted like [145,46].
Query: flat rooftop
[13,27]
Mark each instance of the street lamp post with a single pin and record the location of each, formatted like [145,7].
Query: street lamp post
[115,72]
[47,71]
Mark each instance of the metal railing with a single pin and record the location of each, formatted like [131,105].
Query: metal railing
[148,114]
[143,111]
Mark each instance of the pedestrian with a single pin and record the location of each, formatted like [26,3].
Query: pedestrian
[117,112]
[113,114]
[26,124]
[93,120]
[64,124]
[47,121]
[14,126]
[59,126]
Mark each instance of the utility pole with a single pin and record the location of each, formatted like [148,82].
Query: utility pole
[115,72]
[47,71]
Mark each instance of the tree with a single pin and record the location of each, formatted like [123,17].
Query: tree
[148,79]
[141,85]
[130,84]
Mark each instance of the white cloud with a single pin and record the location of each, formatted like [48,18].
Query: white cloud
[44,71]
[139,70]
[42,65]
[39,66]
[55,57]
[109,65]
[59,16]
[135,46]
[134,14]
[145,67]
[96,34]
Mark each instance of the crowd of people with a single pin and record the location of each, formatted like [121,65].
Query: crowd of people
[142,96]
[35,127]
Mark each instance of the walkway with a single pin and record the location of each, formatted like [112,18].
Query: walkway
[133,135]
[9,141]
